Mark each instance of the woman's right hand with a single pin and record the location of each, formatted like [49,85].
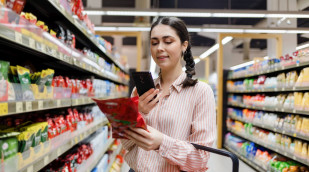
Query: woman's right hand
[146,102]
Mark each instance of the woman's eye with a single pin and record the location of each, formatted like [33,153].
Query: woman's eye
[168,42]
[154,43]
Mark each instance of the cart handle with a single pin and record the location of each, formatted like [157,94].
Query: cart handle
[221,152]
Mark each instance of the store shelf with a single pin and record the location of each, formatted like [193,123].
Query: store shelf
[113,158]
[93,160]
[276,69]
[56,147]
[17,107]
[249,162]
[43,45]
[53,8]
[277,109]
[271,147]
[295,135]
[292,89]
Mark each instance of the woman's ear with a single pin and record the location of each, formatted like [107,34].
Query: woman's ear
[185,46]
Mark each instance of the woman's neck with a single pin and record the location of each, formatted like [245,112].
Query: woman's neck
[169,76]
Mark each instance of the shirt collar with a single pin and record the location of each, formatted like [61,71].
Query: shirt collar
[176,84]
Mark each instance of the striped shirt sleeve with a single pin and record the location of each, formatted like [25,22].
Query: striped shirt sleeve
[203,132]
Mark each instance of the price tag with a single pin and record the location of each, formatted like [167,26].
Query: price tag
[4,109]
[294,157]
[46,160]
[43,48]
[61,56]
[40,104]
[76,140]
[28,106]
[19,107]
[58,103]
[54,52]
[18,37]
[31,43]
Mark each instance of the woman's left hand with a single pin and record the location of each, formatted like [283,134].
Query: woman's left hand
[146,140]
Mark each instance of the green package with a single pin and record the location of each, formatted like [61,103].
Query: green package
[8,144]
[24,78]
[4,69]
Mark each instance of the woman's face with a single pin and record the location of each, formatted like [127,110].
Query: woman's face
[166,47]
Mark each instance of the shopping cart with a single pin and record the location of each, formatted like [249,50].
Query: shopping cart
[221,152]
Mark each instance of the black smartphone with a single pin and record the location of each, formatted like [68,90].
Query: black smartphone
[143,82]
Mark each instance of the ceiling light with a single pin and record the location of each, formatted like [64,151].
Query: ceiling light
[131,13]
[297,31]
[264,31]
[223,30]
[209,51]
[266,58]
[105,28]
[240,15]
[194,29]
[226,40]
[184,14]
[287,15]
[242,65]
[302,46]
[95,13]
[197,60]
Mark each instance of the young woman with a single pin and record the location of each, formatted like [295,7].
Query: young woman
[181,114]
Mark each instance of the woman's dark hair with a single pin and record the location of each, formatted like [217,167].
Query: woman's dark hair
[180,27]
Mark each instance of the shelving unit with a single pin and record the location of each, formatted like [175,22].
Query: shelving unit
[251,163]
[113,157]
[95,158]
[53,8]
[281,131]
[41,49]
[17,107]
[279,90]
[55,147]
[271,147]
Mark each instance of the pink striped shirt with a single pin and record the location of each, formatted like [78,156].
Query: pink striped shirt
[186,115]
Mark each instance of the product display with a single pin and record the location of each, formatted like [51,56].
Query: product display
[49,71]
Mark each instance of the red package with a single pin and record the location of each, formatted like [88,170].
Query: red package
[16,5]
[122,113]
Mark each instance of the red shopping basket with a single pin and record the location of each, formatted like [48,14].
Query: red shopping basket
[234,158]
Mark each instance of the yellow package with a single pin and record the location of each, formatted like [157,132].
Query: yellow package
[306,77]
[304,150]
[305,102]
[299,124]
[298,98]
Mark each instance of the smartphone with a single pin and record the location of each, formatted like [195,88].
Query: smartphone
[143,82]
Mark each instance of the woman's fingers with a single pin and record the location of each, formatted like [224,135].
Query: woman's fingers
[145,95]
[151,96]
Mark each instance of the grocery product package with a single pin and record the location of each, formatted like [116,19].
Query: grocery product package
[122,113]
[4,67]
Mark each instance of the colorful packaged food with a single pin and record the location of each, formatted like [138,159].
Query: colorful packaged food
[8,144]
[4,87]
[122,114]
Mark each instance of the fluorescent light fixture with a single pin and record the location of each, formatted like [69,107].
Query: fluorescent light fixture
[226,40]
[185,14]
[95,13]
[209,51]
[266,58]
[133,28]
[242,65]
[297,31]
[287,15]
[194,29]
[264,31]
[105,28]
[131,13]
[302,46]
[197,60]
[240,15]
[223,30]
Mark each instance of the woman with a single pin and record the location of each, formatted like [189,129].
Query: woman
[181,114]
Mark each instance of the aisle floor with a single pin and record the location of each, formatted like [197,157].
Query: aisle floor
[216,164]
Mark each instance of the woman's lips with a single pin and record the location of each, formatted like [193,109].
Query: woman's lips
[162,57]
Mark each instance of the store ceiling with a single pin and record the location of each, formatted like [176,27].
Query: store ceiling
[201,4]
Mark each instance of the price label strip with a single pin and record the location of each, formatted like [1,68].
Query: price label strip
[19,107]
[4,108]
[18,37]
[28,106]
[40,104]
[32,43]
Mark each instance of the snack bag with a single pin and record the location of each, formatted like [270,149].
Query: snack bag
[24,78]
[122,113]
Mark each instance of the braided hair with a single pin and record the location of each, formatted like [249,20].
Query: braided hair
[180,27]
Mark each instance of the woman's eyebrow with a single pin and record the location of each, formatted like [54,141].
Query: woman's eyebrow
[164,37]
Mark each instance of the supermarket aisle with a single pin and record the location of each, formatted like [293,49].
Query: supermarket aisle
[220,163]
